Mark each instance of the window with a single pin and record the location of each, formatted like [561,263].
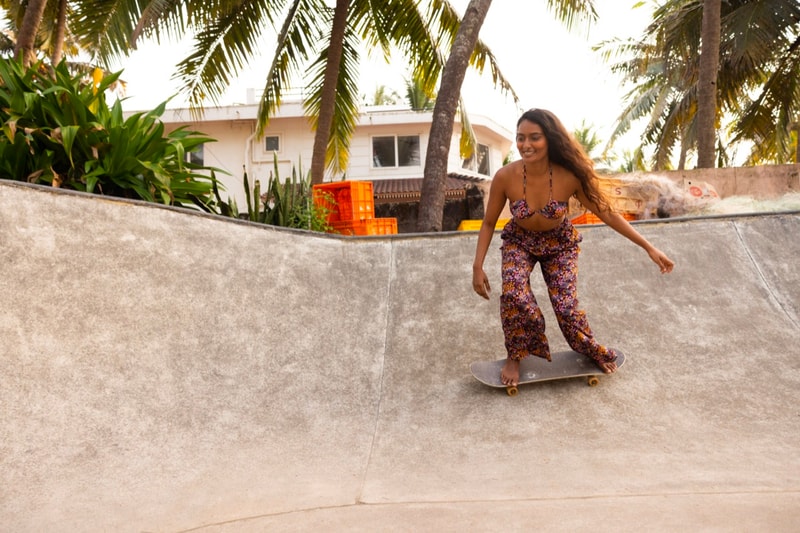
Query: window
[395,151]
[196,156]
[272,143]
[479,162]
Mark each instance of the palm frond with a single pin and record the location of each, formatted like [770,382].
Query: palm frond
[160,14]
[221,49]
[571,12]
[467,141]
[104,27]
[295,44]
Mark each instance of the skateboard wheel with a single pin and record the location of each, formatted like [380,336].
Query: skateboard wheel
[512,391]
[593,381]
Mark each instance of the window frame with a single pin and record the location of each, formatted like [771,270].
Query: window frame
[192,158]
[397,151]
[472,163]
[278,138]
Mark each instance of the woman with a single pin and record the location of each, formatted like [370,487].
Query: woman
[553,167]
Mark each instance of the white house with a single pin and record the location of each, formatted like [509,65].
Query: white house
[388,145]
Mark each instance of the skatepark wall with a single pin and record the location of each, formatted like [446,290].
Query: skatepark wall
[164,370]
[759,182]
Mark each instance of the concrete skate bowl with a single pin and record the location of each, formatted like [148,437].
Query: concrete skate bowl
[165,371]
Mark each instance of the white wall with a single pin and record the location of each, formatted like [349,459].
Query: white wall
[236,147]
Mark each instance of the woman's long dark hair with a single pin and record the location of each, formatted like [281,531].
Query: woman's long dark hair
[564,150]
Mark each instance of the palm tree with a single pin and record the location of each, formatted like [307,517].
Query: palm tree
[50,38]
[29,28]
[588,139]
[382,95]
[707,83]
[333,79]
[767,57]
[60,33]
[658,66]
[417,98]
[228,33]
[431,207]
[759,55]
[631,161]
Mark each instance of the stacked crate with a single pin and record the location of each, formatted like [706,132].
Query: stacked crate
[590,218]
[351,208]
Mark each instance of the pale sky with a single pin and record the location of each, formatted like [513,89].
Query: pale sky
[548,66]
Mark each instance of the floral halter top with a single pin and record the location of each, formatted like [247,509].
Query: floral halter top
[552,210]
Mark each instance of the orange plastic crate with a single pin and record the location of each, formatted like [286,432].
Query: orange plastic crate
[591,218]
[586,218]
[369,226]
[385,226]
[345,200]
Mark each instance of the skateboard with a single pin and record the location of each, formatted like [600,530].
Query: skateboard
[567,364]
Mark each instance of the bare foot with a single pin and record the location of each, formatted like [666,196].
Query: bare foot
[609,367]
[510,374]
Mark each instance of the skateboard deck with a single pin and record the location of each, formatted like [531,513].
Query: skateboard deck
[567,364]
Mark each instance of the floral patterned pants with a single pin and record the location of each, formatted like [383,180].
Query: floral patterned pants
[523,323]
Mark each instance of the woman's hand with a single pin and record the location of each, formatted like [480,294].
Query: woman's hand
[664,263]
[480,283]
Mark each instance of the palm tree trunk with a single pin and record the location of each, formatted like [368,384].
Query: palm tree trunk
[328,97]
[431,205]
[61,25]
[26,39]
[707,84]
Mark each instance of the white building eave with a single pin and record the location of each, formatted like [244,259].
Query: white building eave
[369,116]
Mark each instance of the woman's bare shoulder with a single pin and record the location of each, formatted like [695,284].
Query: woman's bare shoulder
[505,173]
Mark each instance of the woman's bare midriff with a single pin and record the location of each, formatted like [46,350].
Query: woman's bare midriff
[539,223]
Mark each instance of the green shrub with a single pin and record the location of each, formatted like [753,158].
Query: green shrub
[288,203]
[57,129]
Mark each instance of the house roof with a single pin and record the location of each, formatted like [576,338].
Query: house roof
[403,190]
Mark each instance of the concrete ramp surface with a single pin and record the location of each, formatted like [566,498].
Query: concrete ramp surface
[165,371]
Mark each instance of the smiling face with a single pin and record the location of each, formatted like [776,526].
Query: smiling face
[531,142]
